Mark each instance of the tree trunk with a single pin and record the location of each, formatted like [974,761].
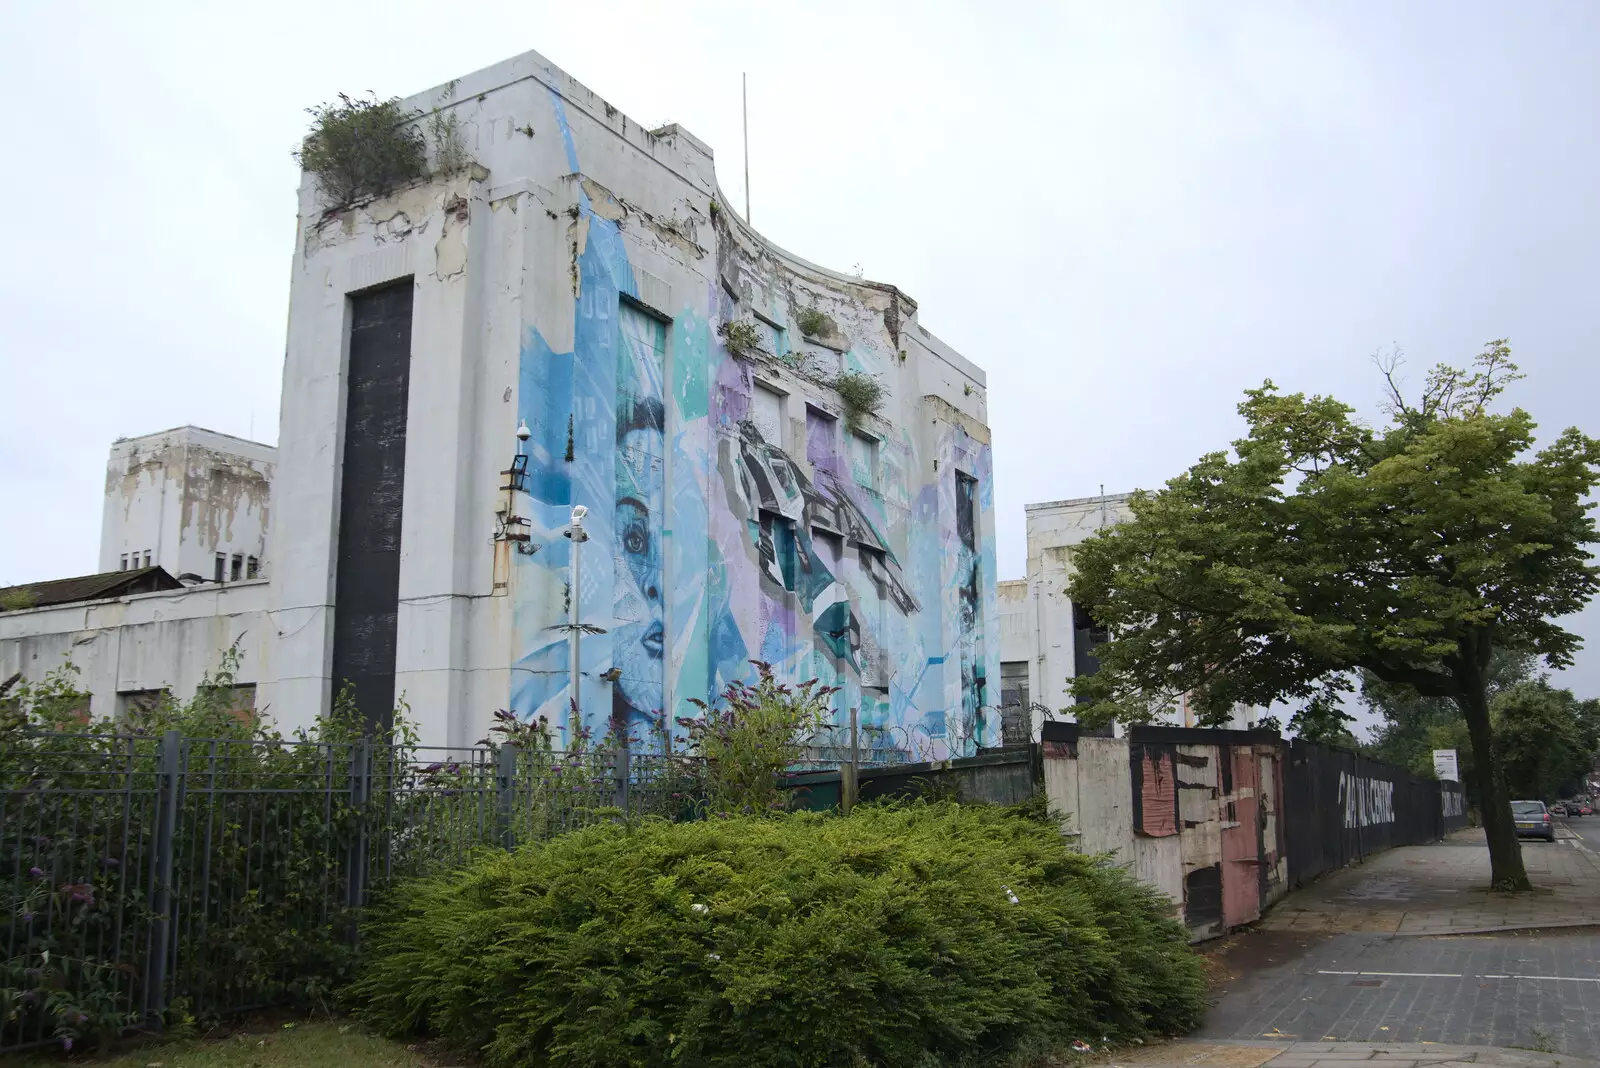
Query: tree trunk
[1505,851]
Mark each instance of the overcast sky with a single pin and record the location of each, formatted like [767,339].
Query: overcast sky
[1126,213]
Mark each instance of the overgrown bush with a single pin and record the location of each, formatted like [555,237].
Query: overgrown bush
[905,935]
[752,736]
[362,148]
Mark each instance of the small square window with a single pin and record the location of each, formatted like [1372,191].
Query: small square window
[251,566]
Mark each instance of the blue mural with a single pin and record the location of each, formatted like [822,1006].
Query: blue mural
[710,544]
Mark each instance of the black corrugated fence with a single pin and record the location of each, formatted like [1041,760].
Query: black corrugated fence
[1340,808]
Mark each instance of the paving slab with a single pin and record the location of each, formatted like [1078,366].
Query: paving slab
[1267,1054]
[1442,888]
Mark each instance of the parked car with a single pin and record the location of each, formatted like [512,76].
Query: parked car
[1533,820]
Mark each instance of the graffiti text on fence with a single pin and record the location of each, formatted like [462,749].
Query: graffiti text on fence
[1366,801]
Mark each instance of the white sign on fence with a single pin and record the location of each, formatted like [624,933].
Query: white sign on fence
[1445,766]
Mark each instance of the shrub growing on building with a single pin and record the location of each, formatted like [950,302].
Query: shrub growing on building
[811,321]
[910,934]
[861,393]
[361,148]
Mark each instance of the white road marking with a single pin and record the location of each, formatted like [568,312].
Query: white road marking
[1459,975]
[1402,975]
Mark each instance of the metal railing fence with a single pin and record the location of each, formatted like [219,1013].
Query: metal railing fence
[149,879]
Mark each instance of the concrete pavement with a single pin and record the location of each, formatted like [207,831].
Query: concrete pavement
[1411,952]
[1337,1055]
[1442,889]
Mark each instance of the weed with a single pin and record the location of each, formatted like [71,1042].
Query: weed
[449,152]
[861,393]
[740,337]
[812,322]
[16,599]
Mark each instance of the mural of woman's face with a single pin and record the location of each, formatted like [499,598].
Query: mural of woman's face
[640,638]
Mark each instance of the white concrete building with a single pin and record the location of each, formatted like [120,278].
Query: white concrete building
[1045,639]
[681,377]
[191,501]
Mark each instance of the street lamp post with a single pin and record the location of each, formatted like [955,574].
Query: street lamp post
[578,536]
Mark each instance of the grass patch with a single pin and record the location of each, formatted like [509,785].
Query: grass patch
[324,1044]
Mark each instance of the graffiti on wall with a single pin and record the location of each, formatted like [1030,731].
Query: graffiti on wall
[711,544]
[1367,802]
[1452,803]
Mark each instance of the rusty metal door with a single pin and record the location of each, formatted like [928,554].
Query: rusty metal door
[1241,840]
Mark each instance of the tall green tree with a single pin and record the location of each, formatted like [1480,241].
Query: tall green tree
[1322,546]
[1544,739]
[1411,726]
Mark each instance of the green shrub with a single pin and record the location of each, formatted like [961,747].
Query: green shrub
[740,337]
[811,321]
[911,934]
[362,148]
[861,393]
[752,736]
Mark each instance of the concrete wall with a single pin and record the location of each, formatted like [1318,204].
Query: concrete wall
[149,641]
[1197,817]
[181,496]
[575,278]
[1036,617]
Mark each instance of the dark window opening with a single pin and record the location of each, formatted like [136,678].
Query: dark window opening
[221,571]
[147,558]
[967,510]
[251,567]
[1087,636]
[371,496]
[124,566]
[138,704]
[236,569]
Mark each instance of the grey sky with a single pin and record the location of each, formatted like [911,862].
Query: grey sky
[1126,213]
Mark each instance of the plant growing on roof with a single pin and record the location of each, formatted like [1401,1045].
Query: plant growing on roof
[449,151]
[861,393]
[361,148]
[812,322]
[15,600]
[740,337]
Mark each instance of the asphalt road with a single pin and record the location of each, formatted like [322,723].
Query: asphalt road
[1586,828]
[1534,990]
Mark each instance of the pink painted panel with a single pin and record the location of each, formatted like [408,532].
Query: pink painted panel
[1158,795]
[1241,849]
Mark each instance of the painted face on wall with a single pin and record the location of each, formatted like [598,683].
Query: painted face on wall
[639,638]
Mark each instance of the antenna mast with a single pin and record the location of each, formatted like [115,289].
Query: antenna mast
[744,94]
